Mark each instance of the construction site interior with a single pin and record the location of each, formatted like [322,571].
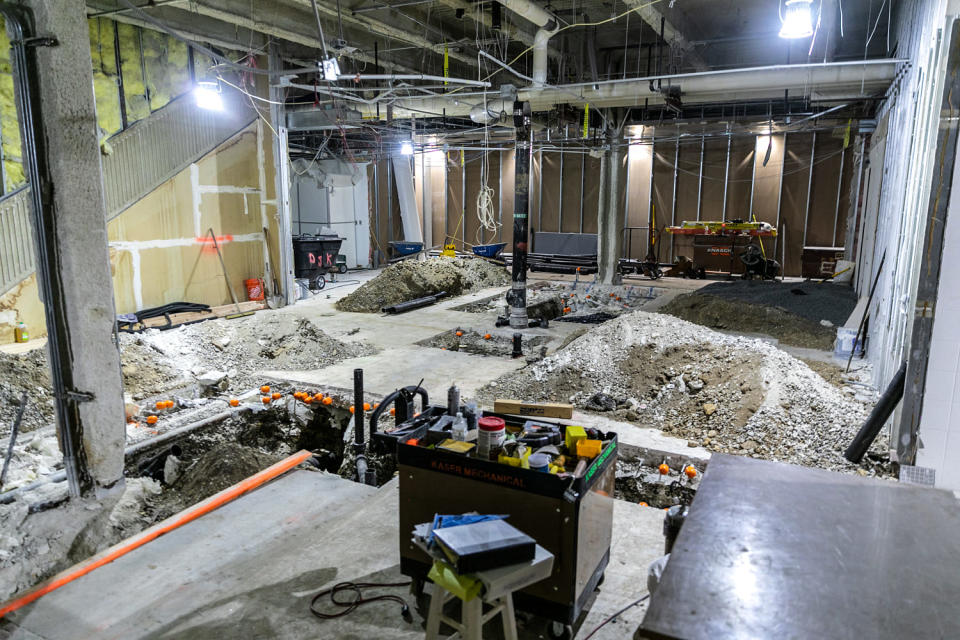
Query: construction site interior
[504,319]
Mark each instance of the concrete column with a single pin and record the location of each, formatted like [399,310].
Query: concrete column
[610,218]
[73,263]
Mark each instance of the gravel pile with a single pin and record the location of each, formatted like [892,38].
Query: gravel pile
[30,373]
[728,394]
[410,279]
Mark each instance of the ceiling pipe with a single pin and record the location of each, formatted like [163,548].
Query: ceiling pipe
[541,40]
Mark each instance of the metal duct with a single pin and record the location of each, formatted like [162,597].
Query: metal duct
[822,82]
[541,40]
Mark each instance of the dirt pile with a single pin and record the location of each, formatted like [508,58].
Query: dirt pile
[803,314]
[725,393]
[239,348]
[744,317]
[410,279]
[811,299]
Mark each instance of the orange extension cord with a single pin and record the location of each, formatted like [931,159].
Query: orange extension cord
[142,538]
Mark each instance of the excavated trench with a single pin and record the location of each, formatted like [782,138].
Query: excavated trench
[202,462]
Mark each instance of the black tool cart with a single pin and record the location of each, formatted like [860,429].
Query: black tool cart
[572,517]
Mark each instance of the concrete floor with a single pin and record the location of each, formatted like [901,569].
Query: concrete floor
[401,361]
[250,569]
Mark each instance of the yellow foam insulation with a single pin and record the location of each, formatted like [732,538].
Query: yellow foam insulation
[166,63]
[105,78]
[134,85]
[9,125]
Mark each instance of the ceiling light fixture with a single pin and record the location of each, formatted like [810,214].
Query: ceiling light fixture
[406,149]
[797,21]
[207,96]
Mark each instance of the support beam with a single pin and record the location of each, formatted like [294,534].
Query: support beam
[59,121]
[609,223]
[653,15]
[281,164]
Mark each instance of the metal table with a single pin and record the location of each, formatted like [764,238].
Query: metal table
[771,550]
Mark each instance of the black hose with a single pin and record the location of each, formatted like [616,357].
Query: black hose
[885,406]
[410,305]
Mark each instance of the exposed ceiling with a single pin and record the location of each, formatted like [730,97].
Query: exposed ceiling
[597,41]
[408,35]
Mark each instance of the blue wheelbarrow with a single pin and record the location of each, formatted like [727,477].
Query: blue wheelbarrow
[488,250]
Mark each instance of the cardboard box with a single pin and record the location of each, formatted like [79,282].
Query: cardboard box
[541,409]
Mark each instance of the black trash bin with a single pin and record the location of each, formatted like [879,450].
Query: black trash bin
[314,256]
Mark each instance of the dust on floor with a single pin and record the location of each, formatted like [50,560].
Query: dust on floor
[472,341]
[726,393]
[411,279]
[43,533]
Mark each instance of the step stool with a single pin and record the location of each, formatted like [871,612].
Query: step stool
[472,620]
[498,588]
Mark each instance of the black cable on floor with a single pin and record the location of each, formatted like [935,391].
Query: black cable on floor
[601,625]
[348,606]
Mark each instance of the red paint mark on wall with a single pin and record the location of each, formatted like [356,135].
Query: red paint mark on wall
[208,245]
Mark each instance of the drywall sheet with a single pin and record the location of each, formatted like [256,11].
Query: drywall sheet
[827,178]
[455,209]
[639,158]
[407,197]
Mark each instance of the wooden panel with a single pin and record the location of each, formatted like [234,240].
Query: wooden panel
[662,200]
[507,167]
[845,186]
[793,201]
[741,177]
[591,193]
[714,167]
[570,218]
[437,168]
[827,172]
[551,193]
[688,179]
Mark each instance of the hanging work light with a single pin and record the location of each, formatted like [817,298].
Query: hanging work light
[797,19]
[207,96]
[406,149]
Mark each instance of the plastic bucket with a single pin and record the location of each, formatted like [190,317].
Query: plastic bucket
[254,289]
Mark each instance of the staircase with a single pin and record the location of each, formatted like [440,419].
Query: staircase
[137,161]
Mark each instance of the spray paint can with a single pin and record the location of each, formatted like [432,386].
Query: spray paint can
[453,400]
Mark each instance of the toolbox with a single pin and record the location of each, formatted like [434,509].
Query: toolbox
[571,517]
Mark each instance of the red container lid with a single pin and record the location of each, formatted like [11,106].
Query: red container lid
[491,423]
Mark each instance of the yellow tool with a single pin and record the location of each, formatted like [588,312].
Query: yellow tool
[449,250]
